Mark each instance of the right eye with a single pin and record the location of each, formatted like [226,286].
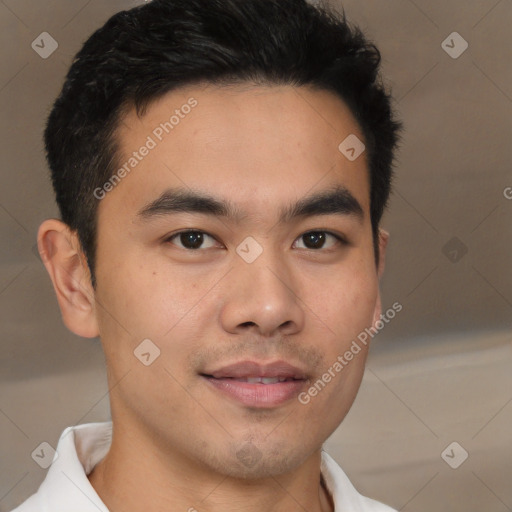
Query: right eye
[192,240]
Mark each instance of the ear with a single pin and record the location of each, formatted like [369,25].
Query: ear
[383,243]
[65,262]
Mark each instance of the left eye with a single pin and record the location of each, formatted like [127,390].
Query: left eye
[192,240]
[318,240]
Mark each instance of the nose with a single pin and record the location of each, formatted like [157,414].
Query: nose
[260,297]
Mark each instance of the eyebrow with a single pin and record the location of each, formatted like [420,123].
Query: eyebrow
[335,201]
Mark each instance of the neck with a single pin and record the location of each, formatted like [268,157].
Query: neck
[135,476]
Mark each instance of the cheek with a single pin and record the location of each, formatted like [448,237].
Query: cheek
[346,301]
[348,315]
[144,300]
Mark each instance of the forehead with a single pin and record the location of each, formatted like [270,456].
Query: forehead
[253,145]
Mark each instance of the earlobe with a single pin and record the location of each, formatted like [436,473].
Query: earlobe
[378,310]
[61,254]
[383,243]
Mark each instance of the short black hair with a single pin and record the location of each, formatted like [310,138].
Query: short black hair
[142,53]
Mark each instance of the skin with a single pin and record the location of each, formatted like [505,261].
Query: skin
[176,437]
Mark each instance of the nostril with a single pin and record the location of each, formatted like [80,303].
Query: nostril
[247,324]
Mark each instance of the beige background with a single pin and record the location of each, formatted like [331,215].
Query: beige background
[439,372]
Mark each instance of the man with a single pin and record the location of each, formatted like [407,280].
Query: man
[221,168]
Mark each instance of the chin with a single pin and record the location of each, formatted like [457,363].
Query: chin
[248,462]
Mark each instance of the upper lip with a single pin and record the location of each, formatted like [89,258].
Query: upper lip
[247,369]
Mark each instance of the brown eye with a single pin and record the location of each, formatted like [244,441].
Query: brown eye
[192,240]
[319,240]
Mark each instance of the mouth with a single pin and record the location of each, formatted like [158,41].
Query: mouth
[257,385]
[259,380]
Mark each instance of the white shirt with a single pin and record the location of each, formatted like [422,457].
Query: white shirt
[66,487]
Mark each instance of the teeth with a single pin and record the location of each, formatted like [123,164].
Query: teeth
[264,380]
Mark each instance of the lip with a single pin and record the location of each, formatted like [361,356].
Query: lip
[245,369]
[231,381]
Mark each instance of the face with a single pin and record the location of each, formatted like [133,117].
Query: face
[239,243]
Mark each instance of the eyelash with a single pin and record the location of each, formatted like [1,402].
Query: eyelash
[340,239]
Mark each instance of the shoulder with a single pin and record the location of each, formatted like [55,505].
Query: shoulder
[66,486]
[345,496]
[32,504]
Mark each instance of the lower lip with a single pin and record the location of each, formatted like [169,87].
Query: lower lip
[258,395]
